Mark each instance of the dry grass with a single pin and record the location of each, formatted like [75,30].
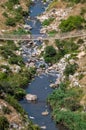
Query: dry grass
[3,26]
[13,116]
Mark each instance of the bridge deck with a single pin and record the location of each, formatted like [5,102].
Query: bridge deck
[42,37]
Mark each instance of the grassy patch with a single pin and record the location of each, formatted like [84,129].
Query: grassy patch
[47,21]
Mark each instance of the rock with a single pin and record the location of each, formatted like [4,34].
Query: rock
[71,61]
[27,27]
[31,97]
[55,85]
[81,54]
[32,64]
[31,117]
[14,125]
[43,127]
[45,113]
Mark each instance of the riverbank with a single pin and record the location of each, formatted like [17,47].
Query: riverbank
[14,75]
[68,58]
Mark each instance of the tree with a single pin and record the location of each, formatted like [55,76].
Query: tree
[50,54]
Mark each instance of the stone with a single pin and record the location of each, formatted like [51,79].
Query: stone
[27,27]
[31,97]
[43,127]
[55,85]
[81,54]
[32,64]
[45,113]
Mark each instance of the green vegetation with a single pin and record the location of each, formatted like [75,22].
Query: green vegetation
[76,1]
[52,33]
[15,82]
[50,54]
[12,101]
[68,46]
[73,22]
[20,31]
[10,22]
[16,12]
[70,69]
[66,107]
[6,110]
[64,47]
[47,22]
[32,127]
[4,124]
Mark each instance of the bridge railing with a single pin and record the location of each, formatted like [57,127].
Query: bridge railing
[42,36]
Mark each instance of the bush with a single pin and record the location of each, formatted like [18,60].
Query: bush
[20,31]
[14,1]
[10,22]
[72,121]
[65,47]
[49,54]
[76,1]
[73,22]
[70,69]
[52,33]
[16,60]
[5,14]
[4,124]
[47,21]
[65,103]
[11,100]
[6,110]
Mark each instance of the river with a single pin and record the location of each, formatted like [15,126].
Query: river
[40,85]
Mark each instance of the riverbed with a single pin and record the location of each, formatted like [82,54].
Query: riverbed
[40,85]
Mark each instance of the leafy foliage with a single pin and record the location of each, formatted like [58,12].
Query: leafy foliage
[50,54]
[73,22]
[66,107]
[4,124]
[47,21]
[70,69]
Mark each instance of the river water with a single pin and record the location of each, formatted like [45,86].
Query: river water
[40,85]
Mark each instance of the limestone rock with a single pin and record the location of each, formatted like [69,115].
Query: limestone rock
[31,97]
[45,113]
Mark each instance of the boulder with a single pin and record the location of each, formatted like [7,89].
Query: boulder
[81,54]
[54,85]
[43,127]
[31,97]
[45,113]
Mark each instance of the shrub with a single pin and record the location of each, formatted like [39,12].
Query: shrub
[73,22]
[76,1]
[6,110]
[80,41]
[72,121]
[20,31]
[5,14]
[47,21]
[70,69]
[66,46]
[4,124]
[52,33]
[11,100]
[65,103]
[10,22]
[16,60]
[14,1]
[49,54]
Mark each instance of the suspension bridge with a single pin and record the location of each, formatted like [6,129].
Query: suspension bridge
[42,36]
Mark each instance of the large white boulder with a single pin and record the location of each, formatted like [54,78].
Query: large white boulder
[31,97]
